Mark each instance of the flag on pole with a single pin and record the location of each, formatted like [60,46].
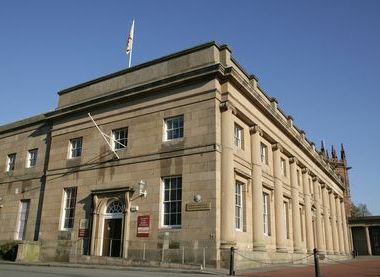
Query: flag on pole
[130,38]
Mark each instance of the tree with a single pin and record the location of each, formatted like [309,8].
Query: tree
[360,210]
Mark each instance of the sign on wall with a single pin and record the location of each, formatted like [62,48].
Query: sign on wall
[83,228]
[143,225]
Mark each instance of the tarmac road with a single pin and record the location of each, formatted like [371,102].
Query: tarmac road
[16,270]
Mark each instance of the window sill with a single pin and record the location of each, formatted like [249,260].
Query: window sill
[174,140]
[171,228]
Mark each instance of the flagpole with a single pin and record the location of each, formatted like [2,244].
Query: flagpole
[130,58]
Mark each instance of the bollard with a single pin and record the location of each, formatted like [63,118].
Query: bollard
[232,262]
[316,263]
[183,254]
[204,258]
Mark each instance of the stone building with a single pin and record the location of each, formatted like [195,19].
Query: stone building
[365,234]
[185,151]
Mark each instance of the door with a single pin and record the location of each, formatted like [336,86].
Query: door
[23,219]
[112,237]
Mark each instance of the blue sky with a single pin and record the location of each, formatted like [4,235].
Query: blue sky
[320,59]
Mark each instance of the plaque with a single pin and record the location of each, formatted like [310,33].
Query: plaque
[143,225]
[83,228]
[202,206]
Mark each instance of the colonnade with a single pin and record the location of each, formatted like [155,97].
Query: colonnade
[331,227]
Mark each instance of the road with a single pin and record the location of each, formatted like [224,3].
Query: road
[13,270]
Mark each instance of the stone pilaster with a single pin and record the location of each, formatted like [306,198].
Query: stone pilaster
[345,228]
[257,190]
[368,241]
[126,221]
[278,200]
[227,175]
[320,241]
[333,223]
[326,218]
[94,224]
[308,214]
[297,245]
[339,220]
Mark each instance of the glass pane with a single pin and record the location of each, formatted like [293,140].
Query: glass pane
[175,123]
[172,207]
[173,194]
[179,217]
[173,219]
[166,207]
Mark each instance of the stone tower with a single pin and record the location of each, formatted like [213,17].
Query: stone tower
[342,168]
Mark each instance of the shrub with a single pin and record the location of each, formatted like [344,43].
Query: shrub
[8,251]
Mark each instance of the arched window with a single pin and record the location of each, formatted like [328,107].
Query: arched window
[115,207]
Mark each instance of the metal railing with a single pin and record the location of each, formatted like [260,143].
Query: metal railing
[162,251]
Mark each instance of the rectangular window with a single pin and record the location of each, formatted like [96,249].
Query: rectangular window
[264,153]
[11,162]
[172,204]
[174,127]
[69,202]
[120,138]
[266,214]
[32,157]
[23,219]
[286,218]
[239,206]
[283,167]
[75,147]
[238,136]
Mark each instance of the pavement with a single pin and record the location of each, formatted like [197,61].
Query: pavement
[362,266]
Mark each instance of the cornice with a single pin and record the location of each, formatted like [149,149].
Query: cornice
[207,72]
[296,135]
[149,63]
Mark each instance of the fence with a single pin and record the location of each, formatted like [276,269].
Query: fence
[162,251]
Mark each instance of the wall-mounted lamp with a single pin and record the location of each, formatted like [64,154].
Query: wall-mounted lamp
[142,188]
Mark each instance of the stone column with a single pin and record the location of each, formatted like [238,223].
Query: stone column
[278,200]
[326,217]
[368,241]
[308,214]
[297,245]
[227,176]
[94,225]
[257,190]
[339,220]
[333,223]
[125,229]
[345,228]
[320,242]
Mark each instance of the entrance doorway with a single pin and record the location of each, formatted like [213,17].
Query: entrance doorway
[112,230]
[112,237]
